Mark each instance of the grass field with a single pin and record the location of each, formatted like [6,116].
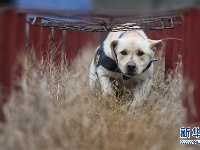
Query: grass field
[56,110]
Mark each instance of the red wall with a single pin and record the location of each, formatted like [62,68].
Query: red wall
[70,42]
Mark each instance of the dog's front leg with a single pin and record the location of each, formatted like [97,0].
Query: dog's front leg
[105,82]
[106,85]
[141,92]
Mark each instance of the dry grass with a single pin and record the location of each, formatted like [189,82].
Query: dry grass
[57,110]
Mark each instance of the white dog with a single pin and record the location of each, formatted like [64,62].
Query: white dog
[124,60]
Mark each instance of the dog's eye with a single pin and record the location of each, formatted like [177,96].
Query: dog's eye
[140,53]
[123,52]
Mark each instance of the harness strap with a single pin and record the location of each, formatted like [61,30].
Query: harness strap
[102,60]
[122,34]
[149,64]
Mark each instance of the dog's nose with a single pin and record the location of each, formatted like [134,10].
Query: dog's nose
[131,66]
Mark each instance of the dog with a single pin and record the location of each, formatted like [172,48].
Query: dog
[125,61]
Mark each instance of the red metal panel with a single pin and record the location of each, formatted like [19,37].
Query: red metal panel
[46,39]
[20,40]
[35,37]
[91,38]
[57,38]
[155,34]
[177,47]
[186,56]
[159,34]
[169,55]
[96,38]
[196,62]
[193,62]
[71,44]
[187,25]
[20,32]
[150,34]
[168,45]
[7,52]
[84,38]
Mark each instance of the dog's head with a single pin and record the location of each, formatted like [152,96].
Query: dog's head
[134,54]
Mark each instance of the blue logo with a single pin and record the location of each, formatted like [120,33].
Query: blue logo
[196,132]
[185,132]
[195,142]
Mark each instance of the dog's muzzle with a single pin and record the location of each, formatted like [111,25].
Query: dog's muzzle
[131,68]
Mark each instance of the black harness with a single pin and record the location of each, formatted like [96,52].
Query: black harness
[102,60]
[110,64]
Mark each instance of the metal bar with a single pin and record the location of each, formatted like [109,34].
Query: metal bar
[108,25]
[7,53]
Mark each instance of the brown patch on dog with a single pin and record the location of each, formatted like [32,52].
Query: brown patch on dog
[112,47]
[156,44]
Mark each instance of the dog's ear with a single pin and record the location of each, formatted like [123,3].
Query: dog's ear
[156,44]
[113,47]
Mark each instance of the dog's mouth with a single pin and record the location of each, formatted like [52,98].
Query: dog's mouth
[130,73]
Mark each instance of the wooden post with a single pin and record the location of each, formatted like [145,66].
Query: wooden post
[7,53]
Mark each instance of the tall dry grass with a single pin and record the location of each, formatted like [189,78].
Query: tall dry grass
[56,110]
